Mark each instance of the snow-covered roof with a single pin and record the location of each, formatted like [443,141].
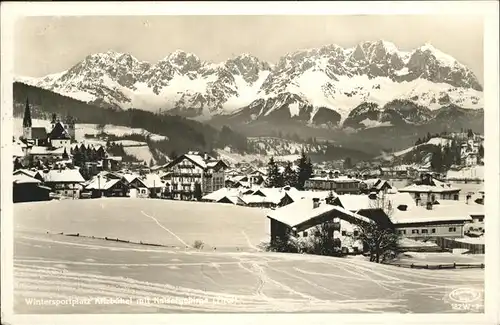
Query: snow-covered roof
[340,179]
[103,184]
[63,176]
[24,179]
[250,198]
[296,195]
[130,177]
[353,202]
[152,181]
[27,172]
[303,210]
[429,188]
[220,193]
[232,198]
[274,194]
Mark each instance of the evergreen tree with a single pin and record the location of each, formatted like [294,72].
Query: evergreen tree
[481,151]
[151,162]
[18,164]
[197,192]
[305,170]
[347,163]
[289,176]
[273,174]
[470,133]
[65,154]
[437,160]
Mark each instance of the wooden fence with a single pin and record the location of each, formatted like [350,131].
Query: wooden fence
[441,266]
[447,243]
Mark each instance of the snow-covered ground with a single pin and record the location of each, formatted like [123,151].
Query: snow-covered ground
[475,172]
[434,141]
[227,279]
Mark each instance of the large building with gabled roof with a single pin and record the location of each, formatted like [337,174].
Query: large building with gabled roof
[193,169]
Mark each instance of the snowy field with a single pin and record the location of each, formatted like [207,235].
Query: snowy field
[235,277]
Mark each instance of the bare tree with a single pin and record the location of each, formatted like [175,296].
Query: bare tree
[321,240]
[381,240]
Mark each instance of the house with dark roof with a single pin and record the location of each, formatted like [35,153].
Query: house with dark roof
[59,136]
[28,189]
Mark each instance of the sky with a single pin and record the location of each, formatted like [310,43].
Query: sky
[45,45]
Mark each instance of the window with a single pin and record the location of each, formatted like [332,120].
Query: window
[304,234]
[452,229]
[356,233]
[402,232]
[344,232]
[414,231]
[425,231]
[433,230]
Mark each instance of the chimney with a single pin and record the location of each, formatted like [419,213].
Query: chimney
[205,156]
[315,202]
[429,205]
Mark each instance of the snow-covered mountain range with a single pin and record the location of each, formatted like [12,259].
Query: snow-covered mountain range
[357,87]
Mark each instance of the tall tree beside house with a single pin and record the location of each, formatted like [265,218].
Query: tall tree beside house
[347,163]
[470,133]
[437,159]
[481,151]
[197,192]
[151,162]
[274,178]
[289,176]
[305,170]
[65,154]
[381,241]
[18,164]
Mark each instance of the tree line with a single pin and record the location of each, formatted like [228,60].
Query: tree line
[289,176]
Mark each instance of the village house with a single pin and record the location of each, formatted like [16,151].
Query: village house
[291,195]
[37,174]
[341,184]
[194,168]
[431,189]
[106,184]
[374,185]
[145,186]
[65,182]
[400,171]
[299,221]
[28,189]
[446,219]
[470,159]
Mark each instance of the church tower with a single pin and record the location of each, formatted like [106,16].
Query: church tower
[70,127]
[27,121]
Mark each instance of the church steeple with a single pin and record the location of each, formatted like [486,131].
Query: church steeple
[27,115]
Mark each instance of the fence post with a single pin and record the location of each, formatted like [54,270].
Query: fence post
[482,265]
[411,266]
[454,265]
[426,266]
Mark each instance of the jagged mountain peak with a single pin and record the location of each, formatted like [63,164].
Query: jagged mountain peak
[328,80]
